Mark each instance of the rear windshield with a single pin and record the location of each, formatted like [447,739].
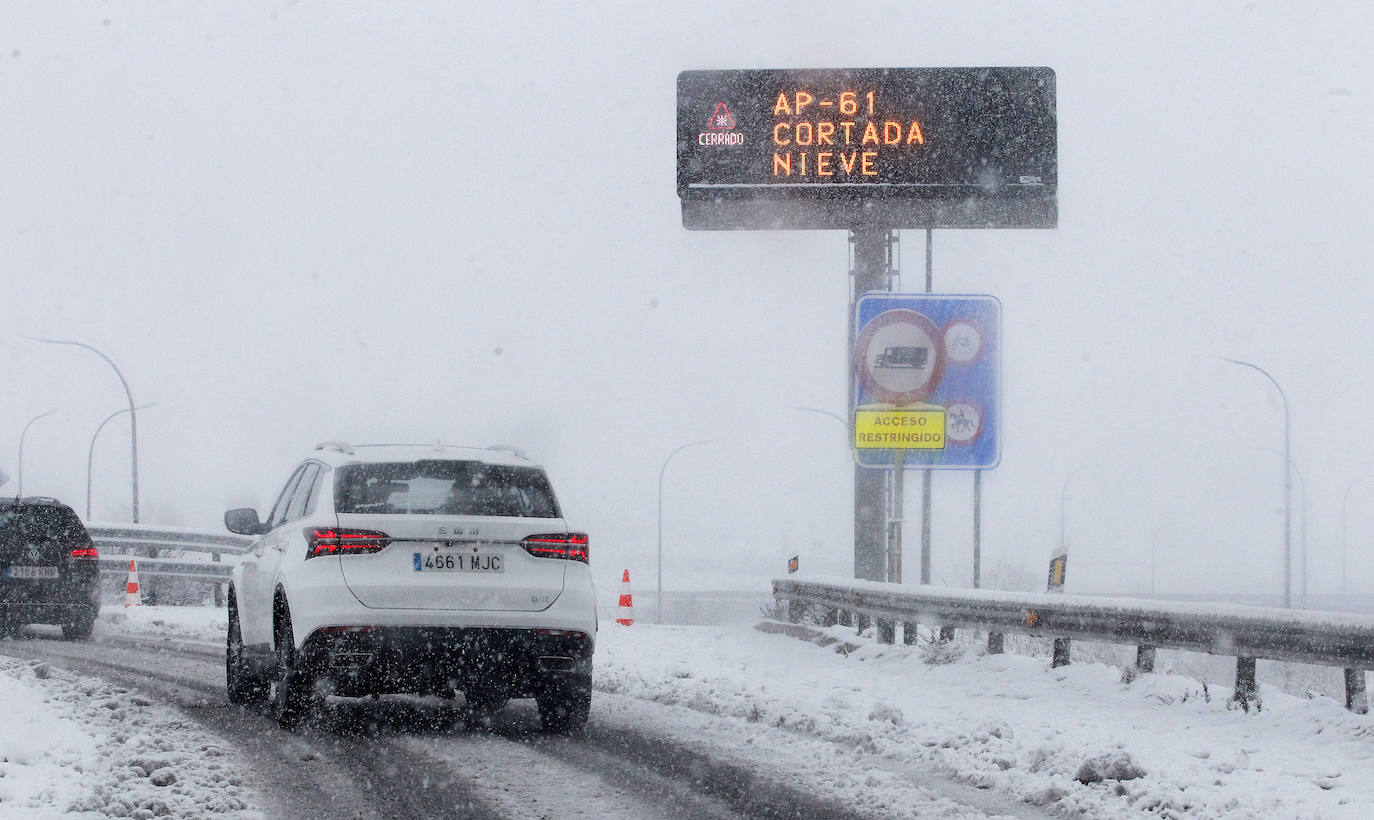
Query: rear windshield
[40,525]
[444,488]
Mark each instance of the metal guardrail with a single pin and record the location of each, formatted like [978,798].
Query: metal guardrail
[1246,633]
[142,536]
[171,567]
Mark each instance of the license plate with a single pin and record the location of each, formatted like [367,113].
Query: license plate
[33,572]
[457,562]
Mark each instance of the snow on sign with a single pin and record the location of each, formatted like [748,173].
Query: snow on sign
[927,378]
[867,147]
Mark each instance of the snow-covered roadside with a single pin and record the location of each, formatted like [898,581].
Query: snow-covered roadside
[74,746]
[1010,723]
[203,623]
[1006,724]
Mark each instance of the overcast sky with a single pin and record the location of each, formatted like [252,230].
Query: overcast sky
[292,222]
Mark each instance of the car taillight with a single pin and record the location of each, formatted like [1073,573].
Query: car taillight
[571,546]
[86,552]
[342,541]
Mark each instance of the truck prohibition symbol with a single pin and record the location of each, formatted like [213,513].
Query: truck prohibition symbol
[904,357]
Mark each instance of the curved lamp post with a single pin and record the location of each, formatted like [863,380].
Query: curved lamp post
[1064,497]
[19,488]
[824,413]
[1302,521]
[659,601]
[1154,550]
[1287,483]
[90,453]
[133,414]
[1345,505]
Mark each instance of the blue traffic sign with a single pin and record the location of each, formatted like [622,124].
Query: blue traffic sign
[927,376]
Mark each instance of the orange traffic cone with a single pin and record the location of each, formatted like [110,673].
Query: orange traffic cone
[131,593]
[627,607]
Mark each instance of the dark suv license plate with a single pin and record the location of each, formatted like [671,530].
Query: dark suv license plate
[32,572]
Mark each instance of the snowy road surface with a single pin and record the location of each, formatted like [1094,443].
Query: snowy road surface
[686,722]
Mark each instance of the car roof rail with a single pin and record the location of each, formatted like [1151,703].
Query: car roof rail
[44,500]
[341,446]
[510,448]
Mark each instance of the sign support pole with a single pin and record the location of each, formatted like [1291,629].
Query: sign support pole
[977,529]
[873,271]
[925,474]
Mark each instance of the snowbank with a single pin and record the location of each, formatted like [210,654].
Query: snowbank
[72,746]
[1161,744]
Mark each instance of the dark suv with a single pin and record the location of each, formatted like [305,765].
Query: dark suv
[48,568]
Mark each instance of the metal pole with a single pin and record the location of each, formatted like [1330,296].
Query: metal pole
[662,470]
[872,271]
[1063,499]
[1154,548]
[1345,510]
[898,515]
[1287,484]
[925,474]
[19,488]
[977,529]
[90,453]
[133,414]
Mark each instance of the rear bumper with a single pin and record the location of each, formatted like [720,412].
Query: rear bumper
[60,606]
[514,663]
[315,607]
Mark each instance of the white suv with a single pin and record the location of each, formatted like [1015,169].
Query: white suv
[418,569]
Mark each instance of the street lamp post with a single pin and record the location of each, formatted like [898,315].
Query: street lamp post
[1154,549]
[1064,497]
[90,453]
[662,470]
[133,414]
[1287,484]
[1345,505]
[19,488]
[1302,522]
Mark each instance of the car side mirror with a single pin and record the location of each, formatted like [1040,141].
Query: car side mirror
[244,521]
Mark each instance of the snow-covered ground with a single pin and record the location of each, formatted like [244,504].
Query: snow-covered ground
[1163,745]
[74,746]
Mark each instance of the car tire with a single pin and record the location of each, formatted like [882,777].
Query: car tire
[565,705]
[241,685]
[79,629]
[294,696]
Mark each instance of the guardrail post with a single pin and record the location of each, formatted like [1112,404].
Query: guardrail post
[831,616]
[908,632]
[1355,698]
[1061,653]
[887,631]
[219,588]
[1145,658]
[996,643]
[1245,683]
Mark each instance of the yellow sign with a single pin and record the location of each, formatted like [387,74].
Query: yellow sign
[899,429]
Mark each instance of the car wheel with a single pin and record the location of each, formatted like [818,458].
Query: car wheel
[565,705]
[293,698]
[80,628]
[241,685]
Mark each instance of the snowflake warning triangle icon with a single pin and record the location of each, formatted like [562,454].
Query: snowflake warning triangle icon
[721,119]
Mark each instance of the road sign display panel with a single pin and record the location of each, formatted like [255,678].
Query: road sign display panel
[887,147]
[919,356]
